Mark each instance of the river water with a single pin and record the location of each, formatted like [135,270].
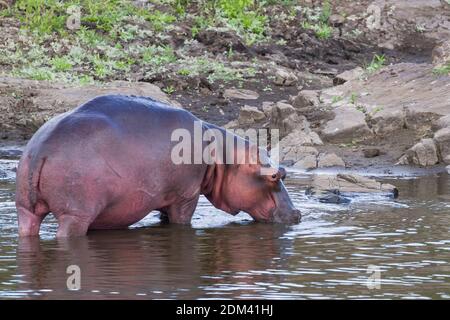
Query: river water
[374,247]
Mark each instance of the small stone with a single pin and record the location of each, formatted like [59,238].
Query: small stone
[348,75]
[284,77]
[242,94]
[336,20]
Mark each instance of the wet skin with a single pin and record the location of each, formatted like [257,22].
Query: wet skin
[107,164]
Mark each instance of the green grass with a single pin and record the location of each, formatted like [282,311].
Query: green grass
[442,70]
[119,39]
[62,64]
[376,64]
[317,20]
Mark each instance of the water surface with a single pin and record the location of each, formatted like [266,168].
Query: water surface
[330,254]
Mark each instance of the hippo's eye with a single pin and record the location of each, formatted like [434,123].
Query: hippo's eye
[274,176]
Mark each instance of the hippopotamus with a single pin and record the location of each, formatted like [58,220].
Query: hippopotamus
[108,163]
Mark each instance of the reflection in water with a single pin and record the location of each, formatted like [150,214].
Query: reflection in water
[221,256]
[160,262]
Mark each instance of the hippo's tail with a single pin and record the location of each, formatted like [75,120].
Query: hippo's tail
[31,210]
[28,178]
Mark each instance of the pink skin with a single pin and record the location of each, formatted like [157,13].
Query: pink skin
[106,165]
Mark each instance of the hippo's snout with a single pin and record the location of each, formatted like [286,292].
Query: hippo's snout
[292,216]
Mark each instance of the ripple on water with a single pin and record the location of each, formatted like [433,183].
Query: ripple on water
[327,255]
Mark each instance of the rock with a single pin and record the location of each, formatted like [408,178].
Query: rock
[442,139]
[306,99]
[284,77]
[348,183]
[384,123]
[400,96]
[242,94]
[371,152]
[267,107]
[416,24]
[336,20]
[348,124]
[334,198]
[284,117]
[443,122]
[249,115]
[446,159]
[422,154]
[296,152]
[308,162]
[330,160]
[441,53]
[348,75]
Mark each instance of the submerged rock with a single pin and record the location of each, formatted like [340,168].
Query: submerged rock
[343,185]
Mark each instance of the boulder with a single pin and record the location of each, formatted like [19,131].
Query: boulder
[296,153]
[348,183]
[348,75]
[348,124]
[306,99]
[442,139]
[422,154]
[249,115]
[308,162]
[330,160]
[284,117]
[443,122]
[241,94]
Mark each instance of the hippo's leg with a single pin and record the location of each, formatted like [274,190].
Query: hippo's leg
[181,212]
[76,222]
[29,223]
[30,219]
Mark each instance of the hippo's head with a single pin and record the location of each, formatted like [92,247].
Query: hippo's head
[256,187]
